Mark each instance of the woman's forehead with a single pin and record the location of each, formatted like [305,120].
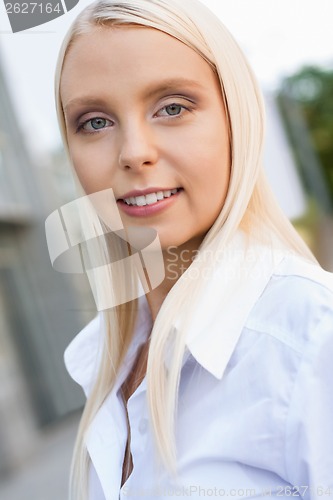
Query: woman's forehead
[136,44]
[128,55]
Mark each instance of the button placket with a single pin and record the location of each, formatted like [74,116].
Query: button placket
[138,420]
[105,443]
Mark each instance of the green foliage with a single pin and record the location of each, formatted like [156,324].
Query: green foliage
[306,102]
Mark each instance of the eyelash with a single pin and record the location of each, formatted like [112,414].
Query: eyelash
[172,117]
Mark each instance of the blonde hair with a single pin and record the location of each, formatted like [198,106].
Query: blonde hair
[249,204]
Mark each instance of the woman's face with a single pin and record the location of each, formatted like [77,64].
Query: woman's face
[145,116]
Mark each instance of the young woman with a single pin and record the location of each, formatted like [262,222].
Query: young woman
[218,381]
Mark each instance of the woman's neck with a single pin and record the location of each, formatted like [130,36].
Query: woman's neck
[176,261]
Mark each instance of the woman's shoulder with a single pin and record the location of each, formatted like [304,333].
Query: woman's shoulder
[295,303]
[294,266]
[304,284]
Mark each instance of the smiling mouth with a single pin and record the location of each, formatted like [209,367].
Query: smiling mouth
[151,198]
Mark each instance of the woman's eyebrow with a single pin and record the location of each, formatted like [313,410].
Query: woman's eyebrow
[151,91]
[84,100]
[171,85]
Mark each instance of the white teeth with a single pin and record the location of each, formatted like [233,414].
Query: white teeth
[150,198]
[140,201]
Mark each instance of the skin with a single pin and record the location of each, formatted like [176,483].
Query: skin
[136,139]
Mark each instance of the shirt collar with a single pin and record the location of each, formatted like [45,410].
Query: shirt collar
[83,355]
[230,290]
[233,286]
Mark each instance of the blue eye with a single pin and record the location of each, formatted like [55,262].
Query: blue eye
[97,123]
[173,109]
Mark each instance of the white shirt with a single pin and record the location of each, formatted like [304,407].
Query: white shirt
[255,415]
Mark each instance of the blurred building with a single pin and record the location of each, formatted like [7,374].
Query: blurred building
[280,165]
[319,222]
[40,309]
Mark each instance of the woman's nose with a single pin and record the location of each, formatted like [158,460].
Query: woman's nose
[138,148]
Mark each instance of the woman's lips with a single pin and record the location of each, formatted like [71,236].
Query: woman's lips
[149,210]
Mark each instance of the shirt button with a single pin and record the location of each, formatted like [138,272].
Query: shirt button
[143,426]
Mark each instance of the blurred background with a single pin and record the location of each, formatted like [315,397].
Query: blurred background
[290,46]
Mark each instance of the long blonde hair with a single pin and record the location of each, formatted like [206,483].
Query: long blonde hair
[249,204]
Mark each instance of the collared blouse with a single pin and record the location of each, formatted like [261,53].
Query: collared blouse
[255,411]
